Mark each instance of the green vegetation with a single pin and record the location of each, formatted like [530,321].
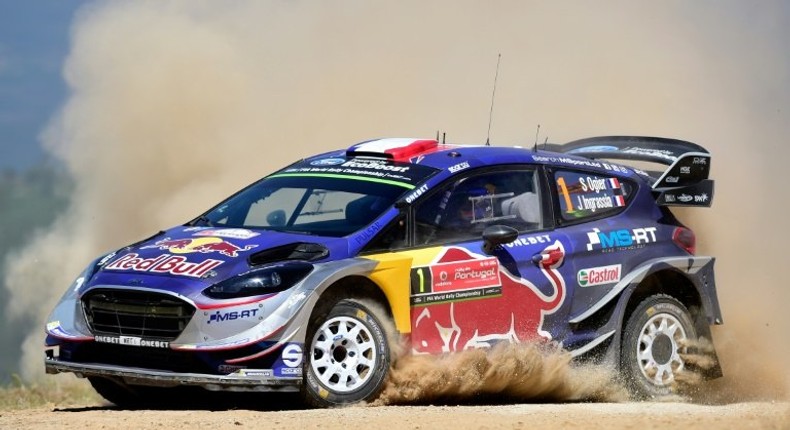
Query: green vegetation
[29,201]
[61,391]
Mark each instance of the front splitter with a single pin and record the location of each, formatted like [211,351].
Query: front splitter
[258,380]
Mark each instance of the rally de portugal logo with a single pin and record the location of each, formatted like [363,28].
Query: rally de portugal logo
[599,275]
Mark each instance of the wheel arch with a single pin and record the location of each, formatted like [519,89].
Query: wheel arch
[356,287]
[386,284]
[674,283]
[690,281]
[683,287]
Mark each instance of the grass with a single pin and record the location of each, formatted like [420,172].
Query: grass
[53,391]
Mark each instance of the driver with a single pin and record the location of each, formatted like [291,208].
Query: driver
[475,207]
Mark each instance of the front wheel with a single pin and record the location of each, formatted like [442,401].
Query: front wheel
[348,356]
[118,394]
[655,337]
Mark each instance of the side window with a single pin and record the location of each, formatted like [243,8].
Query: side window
[586,195]
[463,209]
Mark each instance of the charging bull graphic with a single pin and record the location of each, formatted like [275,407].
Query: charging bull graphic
[202,245]
[516,315]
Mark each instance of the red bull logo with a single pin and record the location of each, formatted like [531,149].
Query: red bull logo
[172,264]
[203,245]
[514,316]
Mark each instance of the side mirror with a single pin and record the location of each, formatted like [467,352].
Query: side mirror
[496,235]
[276,218]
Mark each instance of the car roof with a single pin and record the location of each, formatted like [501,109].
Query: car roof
[452,158]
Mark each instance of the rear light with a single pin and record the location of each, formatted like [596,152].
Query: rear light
[685,239]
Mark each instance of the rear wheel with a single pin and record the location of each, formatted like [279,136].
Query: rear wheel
[348,356]
[655,336]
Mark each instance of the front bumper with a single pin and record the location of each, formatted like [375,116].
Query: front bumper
[259,380]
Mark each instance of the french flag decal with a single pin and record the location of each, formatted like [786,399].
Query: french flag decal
[619,201]
[394,148]
[614,184]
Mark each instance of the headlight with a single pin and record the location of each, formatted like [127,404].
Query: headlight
[272,279]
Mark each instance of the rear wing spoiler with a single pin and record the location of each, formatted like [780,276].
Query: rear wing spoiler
[684,183]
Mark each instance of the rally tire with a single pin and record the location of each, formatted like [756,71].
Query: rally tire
[347,356]
[653,342]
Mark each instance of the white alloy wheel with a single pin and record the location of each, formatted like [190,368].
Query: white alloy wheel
[344,354]
[654,340]
[657,349]
[348,354]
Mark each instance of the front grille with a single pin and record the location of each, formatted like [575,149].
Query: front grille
[136,313]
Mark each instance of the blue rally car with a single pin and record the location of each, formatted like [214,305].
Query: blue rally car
[303,280]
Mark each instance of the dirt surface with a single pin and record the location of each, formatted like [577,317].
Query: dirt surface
[643,416]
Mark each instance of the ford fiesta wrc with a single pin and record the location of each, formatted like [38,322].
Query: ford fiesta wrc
[305,280]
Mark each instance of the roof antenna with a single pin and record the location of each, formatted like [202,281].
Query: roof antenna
[493,93]
[536,139]
[437,135]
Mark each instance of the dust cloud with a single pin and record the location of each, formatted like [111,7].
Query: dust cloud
[530,371]
[174,105]
[519,372]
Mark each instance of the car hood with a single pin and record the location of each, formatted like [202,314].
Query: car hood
[186,260]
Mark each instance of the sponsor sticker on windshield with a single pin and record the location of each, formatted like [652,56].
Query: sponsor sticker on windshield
[402,174]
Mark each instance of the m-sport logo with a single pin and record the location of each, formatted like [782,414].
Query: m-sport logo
[614,240]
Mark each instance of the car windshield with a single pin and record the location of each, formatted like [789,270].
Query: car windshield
[326,206]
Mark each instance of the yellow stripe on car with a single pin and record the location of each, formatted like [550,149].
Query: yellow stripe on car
[392,275]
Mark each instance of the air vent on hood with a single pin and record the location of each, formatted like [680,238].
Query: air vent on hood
[293,251]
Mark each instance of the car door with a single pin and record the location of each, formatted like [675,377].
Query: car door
[589,209]
[464,297]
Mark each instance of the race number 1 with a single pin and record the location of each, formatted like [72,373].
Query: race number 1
[565,194]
